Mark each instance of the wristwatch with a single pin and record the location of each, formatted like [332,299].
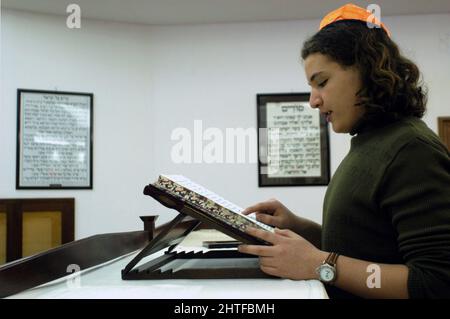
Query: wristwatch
[327,270]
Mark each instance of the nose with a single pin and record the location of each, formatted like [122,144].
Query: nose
[315,100]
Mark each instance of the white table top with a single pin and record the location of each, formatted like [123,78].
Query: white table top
[104,281]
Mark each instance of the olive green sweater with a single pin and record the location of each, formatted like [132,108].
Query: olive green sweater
[389,202]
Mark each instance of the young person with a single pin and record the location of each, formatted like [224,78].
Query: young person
[386,212]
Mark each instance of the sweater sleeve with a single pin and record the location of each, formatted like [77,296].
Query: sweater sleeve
[415,194]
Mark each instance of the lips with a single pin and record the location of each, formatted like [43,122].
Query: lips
[328,116]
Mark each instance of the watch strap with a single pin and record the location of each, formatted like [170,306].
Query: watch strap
[332,259]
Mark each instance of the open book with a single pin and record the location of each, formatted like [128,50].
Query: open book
[204,205]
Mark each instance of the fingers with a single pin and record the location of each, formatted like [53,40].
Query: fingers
[266,263]
[269,266]
[259,250]
[269,270]
[284,232]
[287,233]
[262,234]
[253,209]
[267,219]
[266,206]
[256,250]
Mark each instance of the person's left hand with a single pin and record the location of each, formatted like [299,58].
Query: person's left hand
[291,256]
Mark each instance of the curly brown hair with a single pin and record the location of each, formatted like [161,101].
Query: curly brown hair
[392,87]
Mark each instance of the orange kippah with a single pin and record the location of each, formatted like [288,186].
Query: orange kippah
[351,12]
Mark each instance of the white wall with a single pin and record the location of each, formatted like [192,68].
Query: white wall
[147,81]
[111,61]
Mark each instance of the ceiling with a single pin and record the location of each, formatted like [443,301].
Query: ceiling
[167,12]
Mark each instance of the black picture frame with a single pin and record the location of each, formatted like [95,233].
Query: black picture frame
[54,140]
[293,141]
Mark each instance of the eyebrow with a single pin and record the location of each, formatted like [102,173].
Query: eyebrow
[314,76]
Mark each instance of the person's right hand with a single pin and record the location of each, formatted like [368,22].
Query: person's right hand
[274,213]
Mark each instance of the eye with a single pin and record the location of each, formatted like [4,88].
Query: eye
[322,84]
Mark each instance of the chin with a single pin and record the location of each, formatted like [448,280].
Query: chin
[339,129]
[336,128]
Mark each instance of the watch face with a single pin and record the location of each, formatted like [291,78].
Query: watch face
[326,273]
